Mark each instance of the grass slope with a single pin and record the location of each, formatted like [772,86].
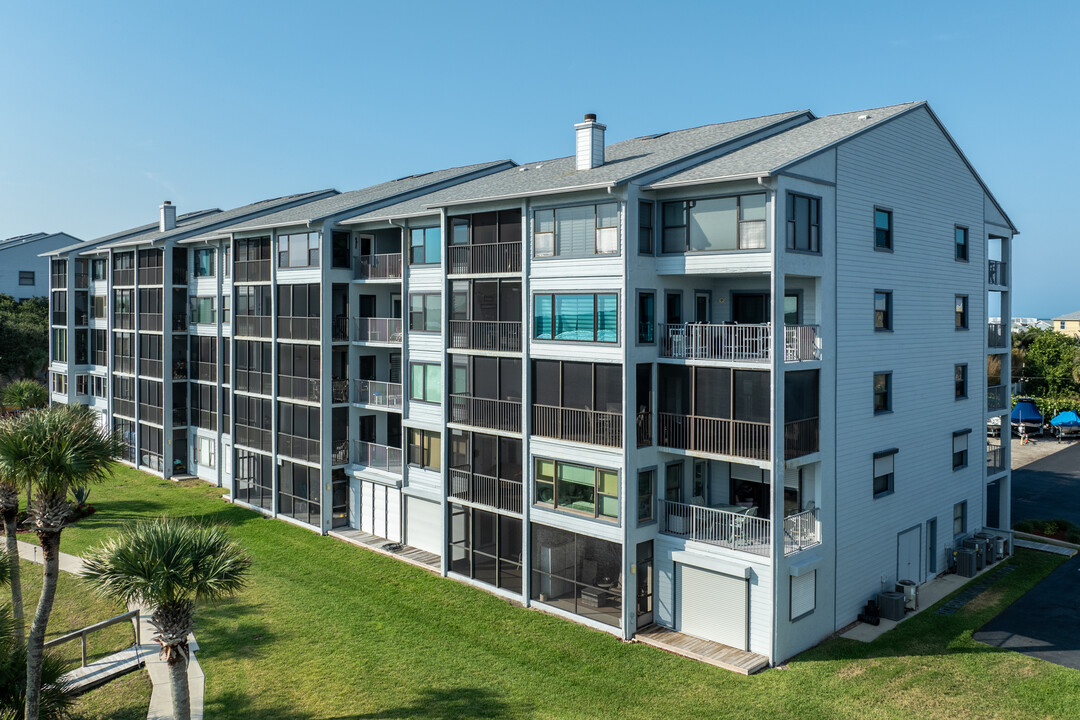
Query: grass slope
[327,630]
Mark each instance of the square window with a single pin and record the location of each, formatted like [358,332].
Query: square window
[26,277]
[882,229]
[960,376]
[883,310]
[961,312]
[882,392]
[961,235]
[884,467]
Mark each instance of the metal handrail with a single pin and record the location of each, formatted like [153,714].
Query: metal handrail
[130,615]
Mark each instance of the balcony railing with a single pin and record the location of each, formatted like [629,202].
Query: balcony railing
[339,391]
[485,490]
[736,343]
[995,459]
[497,336]
[996,397]
[379,330]
[377,393]
[257,326]
[377,457]
[298,328]
[484,413]
[735,531]
[801,530]
[585,426]
[253,437]
[376,267]
[739,438]
[644,429]
[484,259]
[299,388]
[996,336]
[300,448]
[801,438]
[252,271]
[996,273]
[339,452]
[339,329]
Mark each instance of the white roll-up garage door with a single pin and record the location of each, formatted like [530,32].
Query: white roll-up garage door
[367,521]
[393,514]
[712,606]
[423,525]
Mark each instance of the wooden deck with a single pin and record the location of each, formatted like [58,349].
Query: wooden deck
[414,556]
[707,651]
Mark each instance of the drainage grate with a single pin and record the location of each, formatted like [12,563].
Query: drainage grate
[971,592]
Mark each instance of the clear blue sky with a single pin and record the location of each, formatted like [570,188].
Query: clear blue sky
[108,108]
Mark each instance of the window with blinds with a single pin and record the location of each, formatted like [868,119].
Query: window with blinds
[590,317]
[577,231]
[883,472]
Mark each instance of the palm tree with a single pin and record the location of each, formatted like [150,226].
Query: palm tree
[25,395]
[9,510]
[52,450]
[56,696]
[169,565]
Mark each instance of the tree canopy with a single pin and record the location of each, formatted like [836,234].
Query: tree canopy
[24,337]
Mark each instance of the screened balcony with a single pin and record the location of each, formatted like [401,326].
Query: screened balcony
[996,273]
[382,266]
[485,259]
[485,490]
[484,243]
[585,426]
[494,336]
[487,413]
[997,337]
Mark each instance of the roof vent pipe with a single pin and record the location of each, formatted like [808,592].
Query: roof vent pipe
[590,143]
[168,217]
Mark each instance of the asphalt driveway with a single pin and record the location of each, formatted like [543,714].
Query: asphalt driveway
[1044,622]
[1049,488]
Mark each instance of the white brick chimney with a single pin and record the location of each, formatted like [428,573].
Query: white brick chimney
[168,217]
[590,143]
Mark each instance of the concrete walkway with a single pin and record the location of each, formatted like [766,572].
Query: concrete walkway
[161,696]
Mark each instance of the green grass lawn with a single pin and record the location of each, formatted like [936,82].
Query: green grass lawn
[328,630]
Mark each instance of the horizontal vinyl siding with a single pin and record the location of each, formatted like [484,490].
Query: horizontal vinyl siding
[906,165]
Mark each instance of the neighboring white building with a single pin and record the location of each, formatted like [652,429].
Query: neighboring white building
[727,380]
[23,273]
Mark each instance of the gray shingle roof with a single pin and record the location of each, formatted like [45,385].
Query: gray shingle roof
[187,225]
[622,161]
[775,152]
[1068,316]
[356,199]
[130,232]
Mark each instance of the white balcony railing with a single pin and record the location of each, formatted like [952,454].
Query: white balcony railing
[375,456]
[801,530]
[735,531]
[377,393]
[379,330]
[736,343]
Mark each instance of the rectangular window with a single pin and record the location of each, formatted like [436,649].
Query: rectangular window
[204,452]
[578,231]
[204,262]
[576,318]
[59,345]
[882,392]
[961,312]
[803,223]
[425,312]
[425,448]
[426,382]
[97,307]
[646,489]
[100,386]
[714,224]
[803,594]
[26,277]
[645,228]
[99,268]
[882,229]
[204,310]
[882,310]
[883,472]
[425,246]
[960,449]
[961,235]
[577,488]
[959,518]
[82,384]
[646,318]
[298,250]
[960,375]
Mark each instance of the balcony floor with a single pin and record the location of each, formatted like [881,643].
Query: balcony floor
[707,651]
[414,556]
